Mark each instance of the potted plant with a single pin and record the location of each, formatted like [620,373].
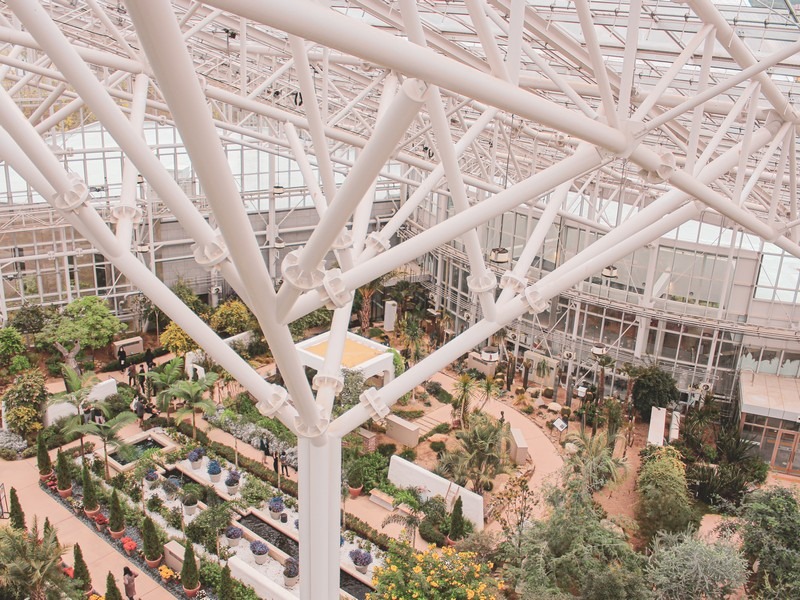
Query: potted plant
[80,571]
[90,504]
[276,507]
[116,518]
[43,458]
[151,545]
[63,476]
[151,477]
[100,522]
[361,559]
[76,504]
[166,574]
[291,572]
[170,488]
[457,526]
[232,482]
[189,575]
[129,545]
[259,550]
[189,501]
[233,534]
[355,481]
[195,458]
[214,470]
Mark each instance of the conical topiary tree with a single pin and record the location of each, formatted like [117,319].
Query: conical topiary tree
[151,545]
[116,518]
[42,456]
[81,571]
[457,521]
[189,576]
[89,492]
[226,584]
[112,591]
[17,516]
[62,472]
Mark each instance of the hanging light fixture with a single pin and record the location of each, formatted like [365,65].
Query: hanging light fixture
[610,272]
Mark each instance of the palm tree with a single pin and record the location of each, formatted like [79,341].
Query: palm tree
[593,462]
[603,361]
[367,291]
[32,564]
[416,510]
[193,395]
[107,432]
[462,397]
[482,455]
[78,388]
[490,388]
[163,380]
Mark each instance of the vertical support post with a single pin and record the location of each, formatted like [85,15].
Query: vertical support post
[320,483]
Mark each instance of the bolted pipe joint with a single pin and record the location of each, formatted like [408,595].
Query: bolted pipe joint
[72,199]
[515,282]
[662,172]
[343,240]
[301,279]
[482,282]
[311,430]
[334,292]
[210,254]
[270,405]
[373,402]
[377,243]
[535,300]
[321,380]
[131,213]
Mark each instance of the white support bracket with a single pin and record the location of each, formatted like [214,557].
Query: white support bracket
[278,397]
[212,253]
[300,279]
[310,430]
[377,243]
[537,303]
[516,283]
[72,199]
[343,241]
[125,211]
[334,292]
[321,380]
[482,282]
[373,402]
[662,172]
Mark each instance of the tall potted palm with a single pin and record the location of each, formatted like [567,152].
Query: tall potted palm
[163,380]
[193,394]
[107,432]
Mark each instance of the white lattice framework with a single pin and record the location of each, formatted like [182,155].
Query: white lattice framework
[498,103]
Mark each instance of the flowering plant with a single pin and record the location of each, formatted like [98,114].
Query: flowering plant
[276,504]
[69,572]
[360,558]
[97,597]
[194,456]
[128,544]
[151,475]
[101,519]
[258,547]
[76,503]
[291,568]
[233,532]
[166,573]
[233,478]
[214,468]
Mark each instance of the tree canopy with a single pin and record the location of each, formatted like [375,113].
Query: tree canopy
[232,317]
[653,387]
[176,340]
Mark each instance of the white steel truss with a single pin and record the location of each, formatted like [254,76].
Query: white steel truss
[494,103]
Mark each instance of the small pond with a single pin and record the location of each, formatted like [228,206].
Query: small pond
[134,451]
[259,526]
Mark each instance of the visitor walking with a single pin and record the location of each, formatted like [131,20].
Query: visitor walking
[139,410]
[141,377]
[264,447]
[128,580]
[132,376]
[284,464]
[149,360]
[122,357]
[275,462]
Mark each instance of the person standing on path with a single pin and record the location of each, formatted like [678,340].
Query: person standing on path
[128,580]
[264,447]
[275,462]
[122,357]
[132,376]
[149,360]
[141,379]
[284,465]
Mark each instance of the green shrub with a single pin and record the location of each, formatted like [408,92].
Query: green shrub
[438,447]
[63,474]
[189,575]
[429,532]
[42,456]
[16,516]
[457,521]
[408,454]
[8,454]
[408,414]
[387,450]
[80,570]
[151,544]
[132,359]
[116,518]
[112,591]
[89,491]
[548,393]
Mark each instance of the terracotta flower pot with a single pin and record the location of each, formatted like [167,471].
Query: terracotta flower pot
[92,513]
[191,593]
[356,492]
[153,563]
[46,476]
[117,535]
[65,493]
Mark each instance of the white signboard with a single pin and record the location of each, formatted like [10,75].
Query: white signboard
[560,424]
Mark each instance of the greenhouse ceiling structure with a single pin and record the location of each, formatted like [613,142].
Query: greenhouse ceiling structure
[628,119]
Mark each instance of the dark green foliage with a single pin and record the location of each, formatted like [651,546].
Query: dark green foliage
[211,576]
[189,574]
[457,521]
[63,473]
[81,570]
[408,454]
[653,387]
[151,544]
[42,457]
[770,531]
[438,447]
[133,359]
[89,491]
[429,532]
[29,318]
[225,589]
[435,389]
[17,516]
[206,527]
[116,518]
[387,450]
[112,591]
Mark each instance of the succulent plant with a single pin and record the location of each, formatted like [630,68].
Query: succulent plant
[360,558]
[233,532]
[258,547]
[291,568]
[214,468]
